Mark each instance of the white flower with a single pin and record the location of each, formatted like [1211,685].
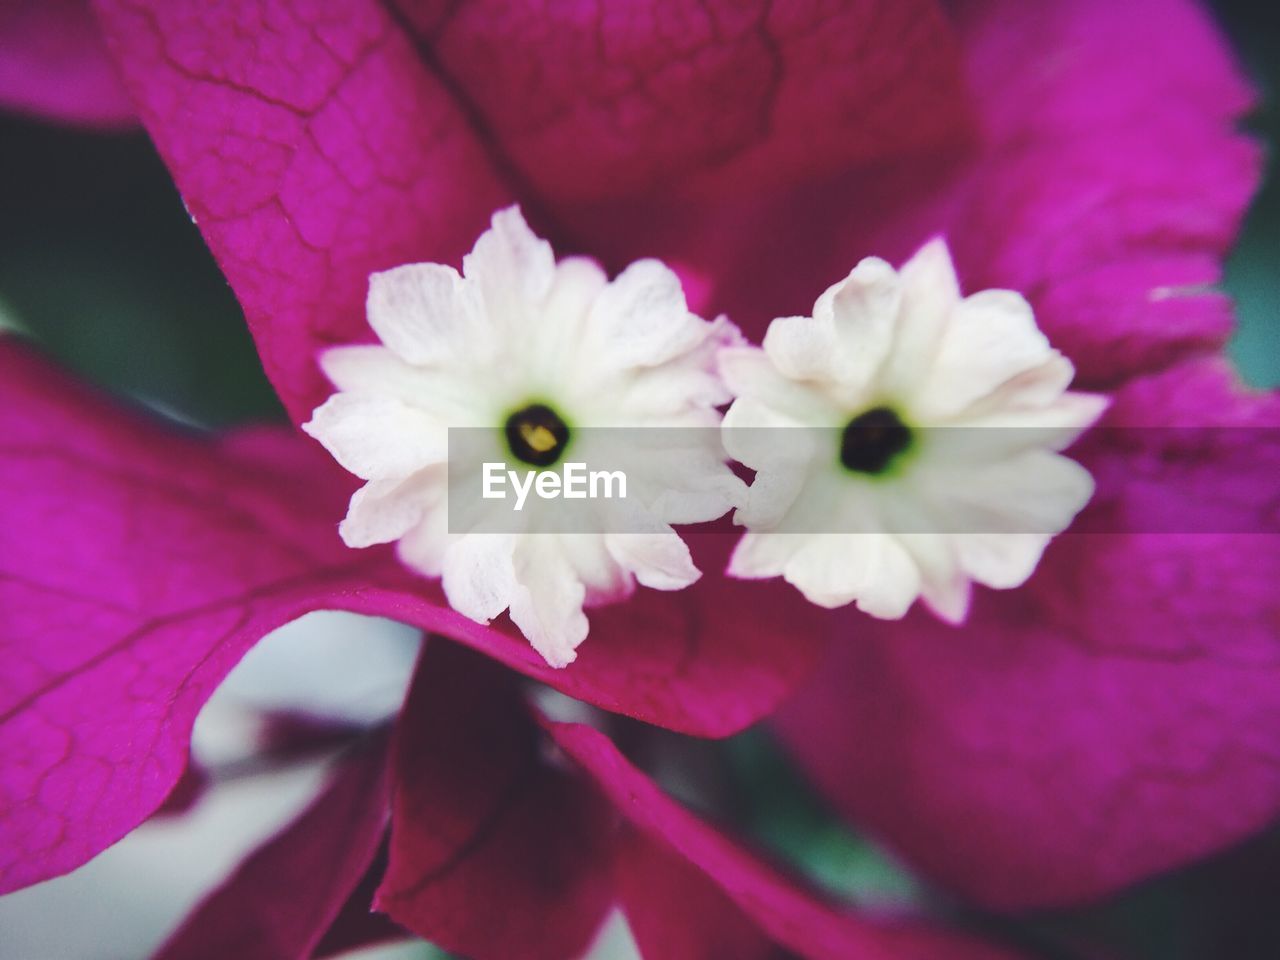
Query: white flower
[927,458]
[527,353]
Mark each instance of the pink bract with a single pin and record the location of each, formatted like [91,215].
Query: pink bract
[1114,718]
[495,807]
[487,811]
[313,150]
[1066,149]
[280,902]
[138,563]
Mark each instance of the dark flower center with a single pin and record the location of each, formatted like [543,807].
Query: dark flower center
[537,435]
[872,440]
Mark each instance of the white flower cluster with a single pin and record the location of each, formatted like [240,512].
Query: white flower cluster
[533,355]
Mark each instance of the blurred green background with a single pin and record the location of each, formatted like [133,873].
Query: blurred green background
[99,262]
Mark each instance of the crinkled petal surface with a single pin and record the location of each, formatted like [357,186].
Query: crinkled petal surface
[315,146]
[1104,177]
[314,150]
[139,563]
[725,95]
[54,65]
[482,823]
[280,902]
[1113,175]
[1117,717]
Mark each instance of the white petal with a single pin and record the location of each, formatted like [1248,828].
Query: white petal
[802,348]
[373,368]
[427,314]
[1056,425]
[750,428]
[864,310]
[701,500]
[1000,560]
[1035,491]
[641,319]
[605,580]
[513,270]
[448,395]
[930,291]
[848,335]
[676,393]
[377,438]
[574,288]
[758,556]
[479,575]
[385,510]
[992,338]
[676,475]
[784,455]
[749,374]
[944,586]
[658,560]
[682,391]
[551,346]
[424,547]
[873,569]
[547,602]
[1032,389]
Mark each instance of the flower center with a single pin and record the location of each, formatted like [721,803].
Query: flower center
[872,440]
[537,435]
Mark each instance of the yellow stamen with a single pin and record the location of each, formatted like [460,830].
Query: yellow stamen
[538,437]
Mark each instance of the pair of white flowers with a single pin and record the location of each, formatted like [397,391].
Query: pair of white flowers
[904,438]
